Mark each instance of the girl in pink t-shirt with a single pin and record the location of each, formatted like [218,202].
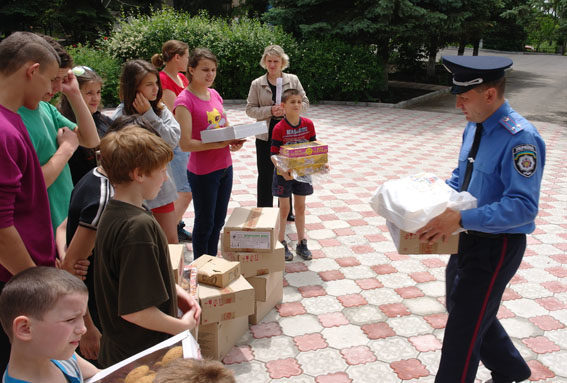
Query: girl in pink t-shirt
[173,58]
[197,108]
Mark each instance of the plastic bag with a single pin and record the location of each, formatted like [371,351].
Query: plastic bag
[411,202]
[312,167]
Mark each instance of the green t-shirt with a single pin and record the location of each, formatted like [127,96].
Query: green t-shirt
[42,124]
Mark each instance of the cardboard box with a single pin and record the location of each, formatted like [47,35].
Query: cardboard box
[262,309]
[264,284]
[216,271]
[296,162]
[233,132]
[219,304]
[250,230]
[303,149]
[217,339]
[409,243]
[176,257]
[150,357]
[253,264]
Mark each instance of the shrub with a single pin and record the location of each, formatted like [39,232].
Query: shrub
[238,45]
[106,66]
[331,69]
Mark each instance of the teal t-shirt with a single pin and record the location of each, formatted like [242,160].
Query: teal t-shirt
[42,124]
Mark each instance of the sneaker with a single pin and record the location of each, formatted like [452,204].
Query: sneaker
[290,217]
[182,234]
[288,254]
[302,250]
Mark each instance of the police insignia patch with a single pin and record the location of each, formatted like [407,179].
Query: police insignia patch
[525,159]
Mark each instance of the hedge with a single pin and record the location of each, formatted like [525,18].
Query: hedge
[328,69]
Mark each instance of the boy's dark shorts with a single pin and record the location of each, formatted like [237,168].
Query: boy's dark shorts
[283,188]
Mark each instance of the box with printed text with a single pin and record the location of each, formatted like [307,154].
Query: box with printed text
[253,264]
[251,230]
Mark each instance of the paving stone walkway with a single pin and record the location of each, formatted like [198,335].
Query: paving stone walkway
[359,311]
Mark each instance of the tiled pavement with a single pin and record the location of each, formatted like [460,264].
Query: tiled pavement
[361,312]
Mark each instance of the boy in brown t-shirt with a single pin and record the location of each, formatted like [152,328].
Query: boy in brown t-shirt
[137,297]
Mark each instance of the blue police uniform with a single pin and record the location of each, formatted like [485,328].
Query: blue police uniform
[505,179]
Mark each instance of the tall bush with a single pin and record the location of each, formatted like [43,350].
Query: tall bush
[331,69]
[105,65]
[238,45]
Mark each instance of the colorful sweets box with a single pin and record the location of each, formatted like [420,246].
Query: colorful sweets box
[303,149]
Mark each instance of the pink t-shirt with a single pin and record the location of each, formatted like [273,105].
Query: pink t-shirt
[23,195]
[168,83]
[205,114]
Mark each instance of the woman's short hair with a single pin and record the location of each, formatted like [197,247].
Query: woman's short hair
[274,50]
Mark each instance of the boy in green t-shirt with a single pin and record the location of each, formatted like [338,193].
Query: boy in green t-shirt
[55,138]
[136,295]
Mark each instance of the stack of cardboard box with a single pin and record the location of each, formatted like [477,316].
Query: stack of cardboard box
[226,300]
[251,238]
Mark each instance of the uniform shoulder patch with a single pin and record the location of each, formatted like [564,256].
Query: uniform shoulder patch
[525,159]
[511,124]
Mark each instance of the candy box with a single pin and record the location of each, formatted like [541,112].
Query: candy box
[303,149]
[140,367]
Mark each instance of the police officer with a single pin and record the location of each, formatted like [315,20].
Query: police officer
[500,163]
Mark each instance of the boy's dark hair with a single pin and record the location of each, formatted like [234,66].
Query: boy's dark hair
[88,75]
[133,72]
[194,371]
[22,47]
[288,93]
[130,148]
[168,51]
[35,291]
[197,55]
[66,61]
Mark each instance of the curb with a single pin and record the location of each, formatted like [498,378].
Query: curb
[439,90]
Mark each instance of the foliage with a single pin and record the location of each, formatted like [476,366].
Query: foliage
[237,45]
[72,20]
[106,66]
[331,69]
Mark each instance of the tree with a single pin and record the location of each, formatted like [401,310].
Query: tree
[382,23]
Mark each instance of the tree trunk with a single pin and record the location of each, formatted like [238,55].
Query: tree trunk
[462,45]
[476,45]
[430,74]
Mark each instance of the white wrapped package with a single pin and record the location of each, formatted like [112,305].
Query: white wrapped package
[411,202]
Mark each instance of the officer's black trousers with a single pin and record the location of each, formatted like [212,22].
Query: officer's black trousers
[475,281]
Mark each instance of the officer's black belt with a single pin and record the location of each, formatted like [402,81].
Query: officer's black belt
[491,235]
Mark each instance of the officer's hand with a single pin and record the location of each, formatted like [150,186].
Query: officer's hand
[440,227]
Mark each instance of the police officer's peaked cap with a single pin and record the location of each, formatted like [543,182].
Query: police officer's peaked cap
[471,71]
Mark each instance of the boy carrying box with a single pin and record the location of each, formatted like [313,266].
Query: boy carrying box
[292,129]
[137,298]
[42,313]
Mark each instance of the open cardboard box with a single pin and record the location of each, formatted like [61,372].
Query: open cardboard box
[151,357]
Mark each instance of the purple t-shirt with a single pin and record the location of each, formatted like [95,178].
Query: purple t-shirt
[23,195]
[205,114]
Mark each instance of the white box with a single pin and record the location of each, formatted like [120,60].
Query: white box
[233,132]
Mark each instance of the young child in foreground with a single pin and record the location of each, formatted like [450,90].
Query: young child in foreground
[137,298]
[194,370]
[42,313]
[292,129]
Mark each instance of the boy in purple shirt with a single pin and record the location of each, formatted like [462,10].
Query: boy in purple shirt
[28,65]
